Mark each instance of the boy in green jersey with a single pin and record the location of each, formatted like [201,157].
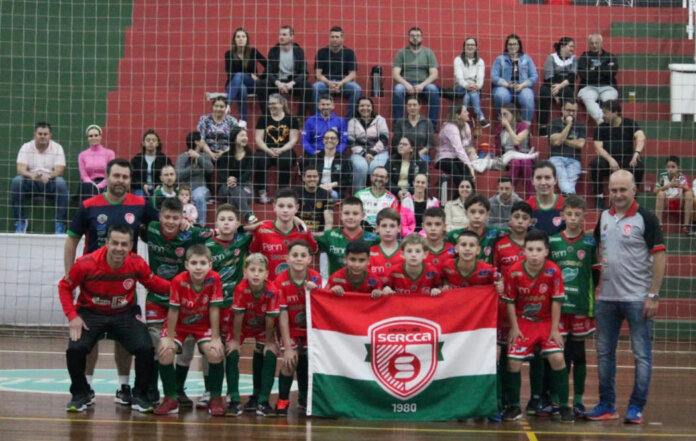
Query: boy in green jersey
[478,209]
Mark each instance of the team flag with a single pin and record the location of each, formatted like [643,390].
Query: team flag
[403,357]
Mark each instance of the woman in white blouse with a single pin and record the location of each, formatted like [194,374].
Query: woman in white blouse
[469,71]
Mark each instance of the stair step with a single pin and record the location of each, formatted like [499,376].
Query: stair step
[648,30]
[646,61]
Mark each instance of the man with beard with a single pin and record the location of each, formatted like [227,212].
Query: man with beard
[377,197]
[93,219]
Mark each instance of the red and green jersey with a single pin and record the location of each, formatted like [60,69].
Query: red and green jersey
[507,252]
[369,282]
[533,294]
[273,243]
[381,263]
[194,306]
[487,240]
[482,274]
[228,260]
[438,257]
[255,306]
[293,298]
[547,219]
[423,283]
[576,258]
[334,242]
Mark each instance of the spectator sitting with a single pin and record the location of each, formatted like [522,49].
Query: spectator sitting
[513,135]
[148,164]
[502,202]
[167,188]
[559,80]
[566,140]
[513,76]
[335,169]
[417,129]
[455,212]
[316,125]
[404,166]
[470,71]
[92,163]
[368,138]
[421,201]
[335,68]
[315,207]
[597,70]
[40,167]
[215,129]
[234,175]
[673,187]
[191,167]
[190,210]
[414,73]
[455,138]
[241,63]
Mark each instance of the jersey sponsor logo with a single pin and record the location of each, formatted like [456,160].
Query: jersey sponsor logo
[193,319]
[569,274]
[430,274]
[185,235]
[531,309]
[128,283]
[555,255]
[557,221]
[550,271]
[102,218]
[372,282]
[301,319]
[627,229]
[581,254]
[272,247]
[507,260]
[337,251]
[119,302]
[484,273]
[129,217]
[282,267]
[101,302]
[403,354]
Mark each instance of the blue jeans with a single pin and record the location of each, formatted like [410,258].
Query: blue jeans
[568,171]
[610,316]
[200,196]
[432,95]
[361,168]
[22,187]
[524,99]
[471,99]
[238,89]
[351,90]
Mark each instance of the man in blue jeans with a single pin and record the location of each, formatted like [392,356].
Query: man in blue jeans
[414,72]
[567,138]
[40,167]
[633,266]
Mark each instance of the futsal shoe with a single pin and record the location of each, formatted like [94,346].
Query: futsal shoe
[567,415]
[124,396]
[234,409]
[264,409]
[282,407]
[78,403]
[512,413]
[579,410]
[634,415]
[169,406]
[218,406]
[203,401]
[183,399]
[142,405]
[601,412]
[251,404]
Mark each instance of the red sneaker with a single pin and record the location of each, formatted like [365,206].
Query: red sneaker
[282,407]
[169,406]
[217,406]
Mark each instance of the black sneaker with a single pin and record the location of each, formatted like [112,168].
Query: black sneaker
[264,409]
[567,415]
[153,396]
[92,398]
[512,413]
[579,410]
[141,405]
[484,123]
[78,403]
[124,396]
[234,408]
[251,404]
[548,409]
[533,405]
[302,403]
[183,399]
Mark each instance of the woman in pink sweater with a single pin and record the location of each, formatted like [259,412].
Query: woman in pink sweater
[92,163]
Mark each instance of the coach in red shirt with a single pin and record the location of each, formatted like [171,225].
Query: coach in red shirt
[106,303]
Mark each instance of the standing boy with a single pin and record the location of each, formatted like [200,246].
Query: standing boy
[387,254]
[437,249]
[413,276]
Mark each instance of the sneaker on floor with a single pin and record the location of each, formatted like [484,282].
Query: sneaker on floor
[634,415]
[203,401]
[602,411]
[547,409]
[183,399]
[218,406]
[497,418]
[124,396]
[533,405]
[264,198]
[142,405]
[484,123]
[251,404]
[282,407]
[153,396]
[92,398]
[169,406]
[264,409]
[60,227]
[21,226]
[512,413]
[579,410]
[234,408]
[567,415]
[78,403]
[302,403]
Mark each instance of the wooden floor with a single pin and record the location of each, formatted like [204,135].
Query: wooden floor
[670,414]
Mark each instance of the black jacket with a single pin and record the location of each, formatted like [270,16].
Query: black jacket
[393,166]
[341,169]
[300,62]
[139,174]
[228,166]
[597,69]
[234,65]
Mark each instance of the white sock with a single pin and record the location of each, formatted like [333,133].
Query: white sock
[123,379]
[89,379]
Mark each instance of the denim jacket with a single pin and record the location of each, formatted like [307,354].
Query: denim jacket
[502,70]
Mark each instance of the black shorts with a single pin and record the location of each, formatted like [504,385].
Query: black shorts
[125,328]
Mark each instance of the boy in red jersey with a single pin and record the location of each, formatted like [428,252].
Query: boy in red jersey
[294,284]
[413,276]
[106,303]
[466,269]
[356,276]
[387,254]
[271,237]
[534,292]
[438,250]
[194,310]
[256,306]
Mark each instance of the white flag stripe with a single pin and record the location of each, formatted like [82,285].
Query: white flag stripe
[465,353]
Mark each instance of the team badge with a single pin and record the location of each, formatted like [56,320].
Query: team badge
[403,354]
[557,221]
[130,218]
[543,288]
[581,254]
[102,218]
[487,251]
[179,251]
[627,229]
[236,252]
[128,283]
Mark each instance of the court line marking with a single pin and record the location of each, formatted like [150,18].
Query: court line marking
[311,426]
[531,436]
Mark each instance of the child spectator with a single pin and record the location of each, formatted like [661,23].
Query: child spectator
[356,275]
[673,187]
[413,276]
[190,211]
